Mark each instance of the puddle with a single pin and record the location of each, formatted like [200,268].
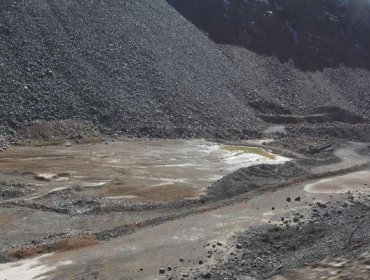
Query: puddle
[249,150]
[156,170]
[357,181]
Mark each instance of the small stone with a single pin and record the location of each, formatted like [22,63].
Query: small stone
[321,205]
[206,275]
[298,198]
[238,246]
[162,270]
[200,261]
[288,199]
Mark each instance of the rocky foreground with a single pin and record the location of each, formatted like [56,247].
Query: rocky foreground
[337,268]
[337,232]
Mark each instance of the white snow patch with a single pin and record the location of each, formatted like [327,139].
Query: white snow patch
[94,184]
[29,269]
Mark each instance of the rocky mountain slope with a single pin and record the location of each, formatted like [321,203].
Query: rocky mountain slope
[133,66]
[315,34]
[186,68]
[295,60]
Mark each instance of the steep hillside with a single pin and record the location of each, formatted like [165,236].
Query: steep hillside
[133,66]
[314,34]
[186,68]
[300,63]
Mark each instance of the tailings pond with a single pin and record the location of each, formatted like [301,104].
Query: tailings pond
[152,171]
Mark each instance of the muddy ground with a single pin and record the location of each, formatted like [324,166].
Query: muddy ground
[256,209]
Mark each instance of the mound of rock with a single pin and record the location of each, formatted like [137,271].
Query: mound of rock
[136,67]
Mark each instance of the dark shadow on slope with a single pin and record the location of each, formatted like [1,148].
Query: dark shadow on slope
[314,34]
